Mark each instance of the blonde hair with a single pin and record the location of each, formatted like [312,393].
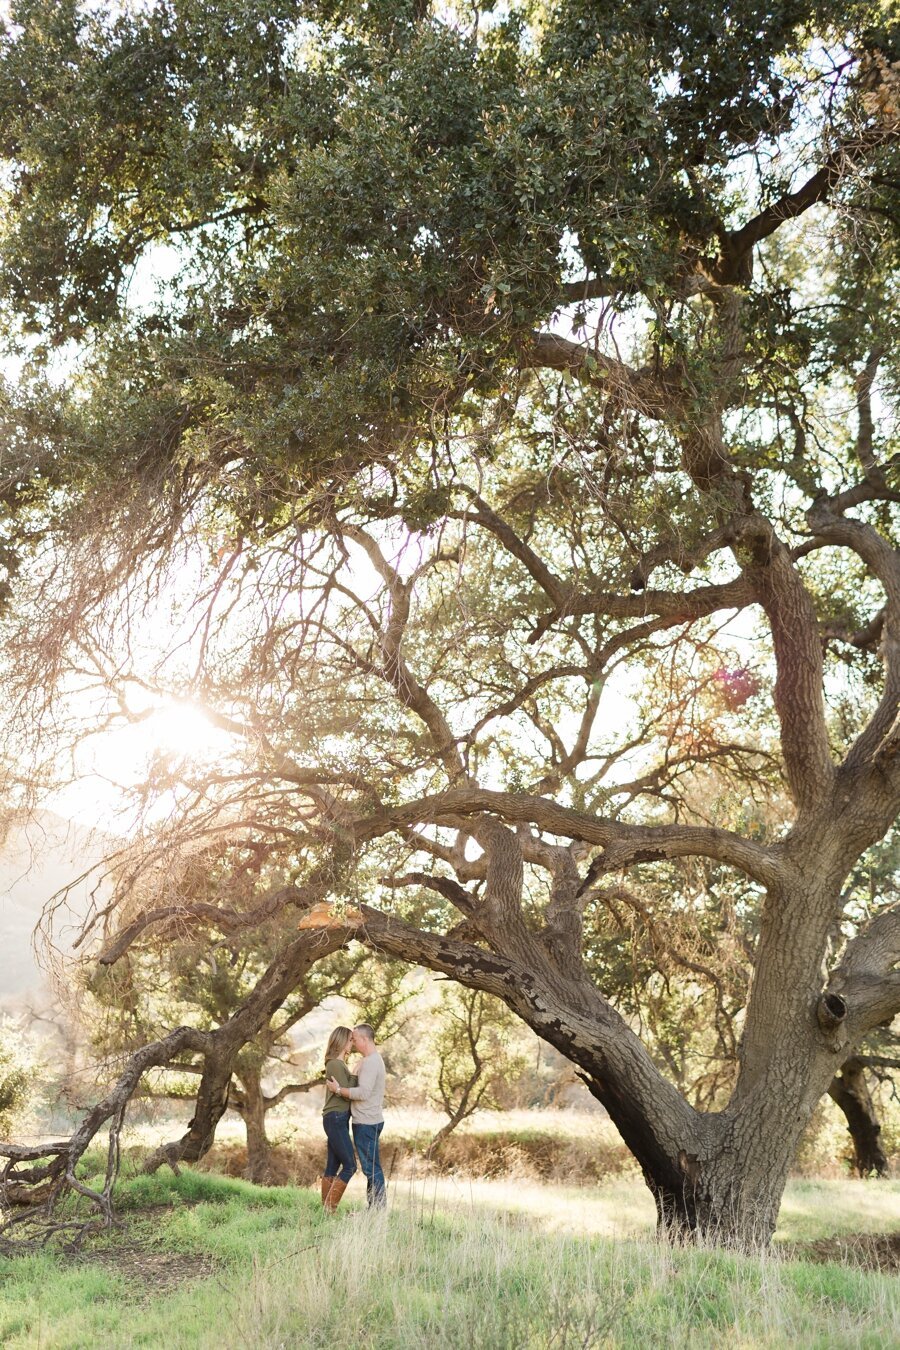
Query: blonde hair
[337,1043]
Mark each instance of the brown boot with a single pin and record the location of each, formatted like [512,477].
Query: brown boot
[326,1187]
[333,1198]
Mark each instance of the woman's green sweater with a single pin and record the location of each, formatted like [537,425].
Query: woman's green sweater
[336,1068]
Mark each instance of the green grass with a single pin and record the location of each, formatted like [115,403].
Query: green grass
[815,1209]
[434,1273]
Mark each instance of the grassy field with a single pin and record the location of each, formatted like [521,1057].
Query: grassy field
[204,1261]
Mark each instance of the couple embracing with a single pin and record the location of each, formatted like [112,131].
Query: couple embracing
[360,1095]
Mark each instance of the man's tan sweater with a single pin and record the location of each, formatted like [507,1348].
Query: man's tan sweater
[367,1100]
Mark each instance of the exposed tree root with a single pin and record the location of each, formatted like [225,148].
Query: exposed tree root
[54,1177]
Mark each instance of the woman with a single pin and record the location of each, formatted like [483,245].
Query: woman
[341,1161]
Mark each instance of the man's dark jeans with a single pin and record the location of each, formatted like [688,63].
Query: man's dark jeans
[336,1125]
[366,1137]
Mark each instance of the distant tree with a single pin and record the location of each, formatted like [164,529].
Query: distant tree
[147,995]
[473,1056]
[18,1073]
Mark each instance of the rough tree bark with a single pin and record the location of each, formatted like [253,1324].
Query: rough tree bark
[252,1108]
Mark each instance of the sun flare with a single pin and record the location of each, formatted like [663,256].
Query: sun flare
[184,730]
[174,728]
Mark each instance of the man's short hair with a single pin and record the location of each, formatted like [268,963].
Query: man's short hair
[366,1030]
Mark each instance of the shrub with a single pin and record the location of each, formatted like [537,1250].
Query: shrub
[18,1074]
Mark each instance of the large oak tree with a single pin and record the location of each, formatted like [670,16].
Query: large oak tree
[499,364]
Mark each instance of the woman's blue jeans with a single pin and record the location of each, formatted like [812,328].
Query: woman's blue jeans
[366,1139]
[341,1158]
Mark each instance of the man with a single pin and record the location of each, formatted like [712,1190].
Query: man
[367,1111]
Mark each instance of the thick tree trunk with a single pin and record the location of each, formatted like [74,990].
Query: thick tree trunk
[723,1180]
[252,1109]
[729,1187]
[850,1091]
[731,1194]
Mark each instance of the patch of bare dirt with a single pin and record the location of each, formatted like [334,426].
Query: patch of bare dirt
[143,1263]
[871,1251]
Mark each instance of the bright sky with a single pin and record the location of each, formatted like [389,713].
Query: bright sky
[113,762]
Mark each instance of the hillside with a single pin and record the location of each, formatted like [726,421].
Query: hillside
[36,861]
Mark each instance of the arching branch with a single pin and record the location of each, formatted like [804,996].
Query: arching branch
[641,390]
[624,844]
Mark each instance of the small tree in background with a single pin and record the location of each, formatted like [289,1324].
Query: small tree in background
[153,991]
[475,1054]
